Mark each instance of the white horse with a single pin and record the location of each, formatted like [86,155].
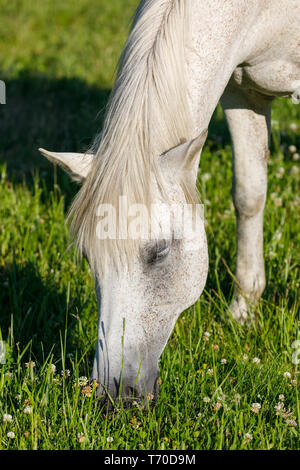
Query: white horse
[181,58]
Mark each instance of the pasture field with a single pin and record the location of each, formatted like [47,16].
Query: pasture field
[223,386]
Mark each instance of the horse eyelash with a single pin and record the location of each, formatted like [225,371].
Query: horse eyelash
[158,253]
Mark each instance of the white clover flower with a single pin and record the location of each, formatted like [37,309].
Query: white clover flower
[296,157]
[205,176]
[109,439]
[53,368]
[28,410]
[279,408]
[237,396]
[291,422]
[81,437]
[206,399]
[30,365]
[7,418]
[216,406]
[277,235]
[206,336]
[287,375]
[223,361]
[248,436]
[256,360]
[280,172]
[210,371]
[293,126]
[11,435]
[278,202]
[294,170]
[65,373]
[255,407]
[82,381]
[292,149]
[281,397]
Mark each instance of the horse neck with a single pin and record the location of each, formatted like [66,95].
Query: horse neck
[219,31]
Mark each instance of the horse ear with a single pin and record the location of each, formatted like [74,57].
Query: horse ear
[185,157]
[77,165]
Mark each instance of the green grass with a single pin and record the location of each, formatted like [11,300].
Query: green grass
[58,59]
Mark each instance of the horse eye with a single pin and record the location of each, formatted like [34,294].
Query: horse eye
[158,253]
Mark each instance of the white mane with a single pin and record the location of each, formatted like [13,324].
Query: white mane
[147,114]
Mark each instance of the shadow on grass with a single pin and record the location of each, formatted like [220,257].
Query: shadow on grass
[62,114]
[59,114]
[35,310]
